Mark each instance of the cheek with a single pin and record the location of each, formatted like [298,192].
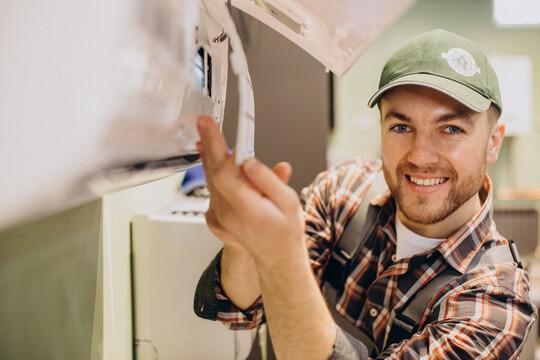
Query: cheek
[469,151]
[466,160]
[391,158]
[386,154]
[394,149]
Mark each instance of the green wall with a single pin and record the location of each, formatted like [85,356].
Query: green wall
[48,277]
[357,126]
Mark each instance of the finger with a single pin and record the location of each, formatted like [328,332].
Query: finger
[227,184]
[270,184]
[213,147]
[283,170]
[214,224]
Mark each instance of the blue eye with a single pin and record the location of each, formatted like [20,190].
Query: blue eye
[453,130]
[401,128]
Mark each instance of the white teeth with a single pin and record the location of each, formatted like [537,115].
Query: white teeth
[426,182]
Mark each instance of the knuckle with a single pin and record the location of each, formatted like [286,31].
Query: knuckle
[215,226]
[225,220]
[210,218]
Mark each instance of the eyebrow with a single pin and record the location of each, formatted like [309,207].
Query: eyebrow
[396,115]
[446,117]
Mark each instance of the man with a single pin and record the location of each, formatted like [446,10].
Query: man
[439,104]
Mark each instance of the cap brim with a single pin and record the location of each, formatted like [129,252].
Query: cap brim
[461,93]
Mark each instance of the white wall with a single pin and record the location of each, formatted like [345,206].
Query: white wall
[118,211]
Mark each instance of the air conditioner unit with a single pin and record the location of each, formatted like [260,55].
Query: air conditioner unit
[99,96]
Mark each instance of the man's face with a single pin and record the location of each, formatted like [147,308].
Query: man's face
[434,152]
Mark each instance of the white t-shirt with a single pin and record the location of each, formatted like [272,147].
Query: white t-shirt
[410,243]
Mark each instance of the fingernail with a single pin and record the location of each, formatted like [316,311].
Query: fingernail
[251,165]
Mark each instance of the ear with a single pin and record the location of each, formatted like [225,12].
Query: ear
[495,143]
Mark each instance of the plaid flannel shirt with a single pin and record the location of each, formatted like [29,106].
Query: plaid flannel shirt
[484,314]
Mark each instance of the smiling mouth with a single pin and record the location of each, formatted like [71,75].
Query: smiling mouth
[426,182]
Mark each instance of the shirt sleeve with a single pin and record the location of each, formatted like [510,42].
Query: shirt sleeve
[233,317]
[486,318]
[211,303]
[347,347]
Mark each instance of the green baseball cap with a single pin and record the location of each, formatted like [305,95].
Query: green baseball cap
[445,62]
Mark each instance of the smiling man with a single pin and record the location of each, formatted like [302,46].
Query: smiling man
[439,103]
[435,152]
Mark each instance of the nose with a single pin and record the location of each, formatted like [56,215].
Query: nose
[423,150]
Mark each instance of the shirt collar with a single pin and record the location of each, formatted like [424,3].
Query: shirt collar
[459,249]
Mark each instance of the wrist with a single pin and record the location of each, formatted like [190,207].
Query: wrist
[292,296]
[283,264]
[237,257]
[236,250]
[238,276]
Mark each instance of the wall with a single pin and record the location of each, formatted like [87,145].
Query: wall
[48,277]
[66,282]
[292,102]
[357,131]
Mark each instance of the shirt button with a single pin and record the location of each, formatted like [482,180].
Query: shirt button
[373,312]
[394,258]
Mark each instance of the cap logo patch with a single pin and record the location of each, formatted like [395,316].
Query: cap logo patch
[461,61]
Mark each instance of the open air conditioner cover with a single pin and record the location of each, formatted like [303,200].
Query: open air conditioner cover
[335,32]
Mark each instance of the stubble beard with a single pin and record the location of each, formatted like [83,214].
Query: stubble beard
[420,210]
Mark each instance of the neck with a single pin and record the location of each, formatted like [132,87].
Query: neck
[443,229]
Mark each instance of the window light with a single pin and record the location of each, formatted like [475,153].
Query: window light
[516,13]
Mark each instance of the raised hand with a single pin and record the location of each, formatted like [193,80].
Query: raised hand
[255,211]
[250,206]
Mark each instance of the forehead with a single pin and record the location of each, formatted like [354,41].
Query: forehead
[422,99]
